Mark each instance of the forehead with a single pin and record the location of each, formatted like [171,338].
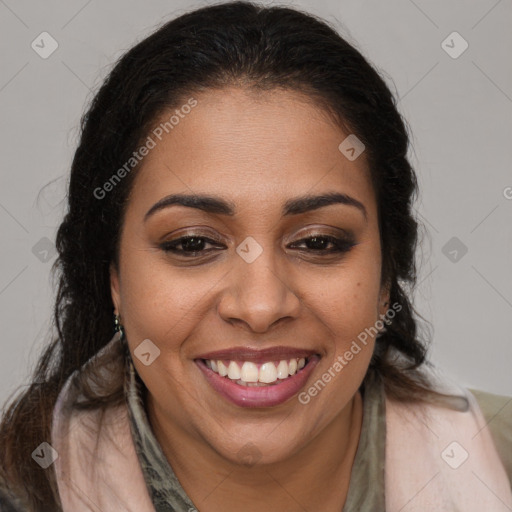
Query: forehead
[249,146]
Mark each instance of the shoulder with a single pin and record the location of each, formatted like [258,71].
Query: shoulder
[447,434]
[497,411]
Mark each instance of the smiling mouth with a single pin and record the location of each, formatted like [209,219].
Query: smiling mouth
[258,384]
[250,374]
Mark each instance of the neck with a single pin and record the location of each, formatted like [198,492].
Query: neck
[295,484]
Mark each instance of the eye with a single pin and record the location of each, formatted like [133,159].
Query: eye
[325,244]
[190,245]
[195,246]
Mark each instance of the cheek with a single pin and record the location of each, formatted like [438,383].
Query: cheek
[348,307]
[162,303]
[348,304]
[349,298]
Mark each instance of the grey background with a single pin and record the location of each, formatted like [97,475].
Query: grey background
[459,111]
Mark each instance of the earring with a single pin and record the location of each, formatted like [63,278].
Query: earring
[118,326]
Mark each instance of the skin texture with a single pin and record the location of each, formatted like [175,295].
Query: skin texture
[256,151]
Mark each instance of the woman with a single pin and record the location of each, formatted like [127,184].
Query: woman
[240,213]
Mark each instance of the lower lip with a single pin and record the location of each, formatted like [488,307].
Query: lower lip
[254,396]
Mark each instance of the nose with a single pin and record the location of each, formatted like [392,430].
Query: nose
[257,295]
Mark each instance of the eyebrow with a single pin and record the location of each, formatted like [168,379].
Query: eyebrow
[216,205]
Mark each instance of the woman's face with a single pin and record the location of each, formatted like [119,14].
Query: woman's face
[264,266]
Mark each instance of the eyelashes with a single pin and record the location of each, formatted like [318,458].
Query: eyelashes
[317,245]
[191,245]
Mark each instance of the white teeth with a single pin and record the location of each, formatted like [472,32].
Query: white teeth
[240,382]
[223,371]
[249,372]
[268,373]
[233,371]
[282,370]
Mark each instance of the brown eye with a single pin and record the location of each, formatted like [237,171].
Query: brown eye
[190,245]
[325,244]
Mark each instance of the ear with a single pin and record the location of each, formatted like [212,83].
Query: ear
[114,288]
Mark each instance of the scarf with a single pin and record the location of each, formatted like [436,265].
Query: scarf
[435,458]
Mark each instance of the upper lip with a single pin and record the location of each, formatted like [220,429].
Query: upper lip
[258,355]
